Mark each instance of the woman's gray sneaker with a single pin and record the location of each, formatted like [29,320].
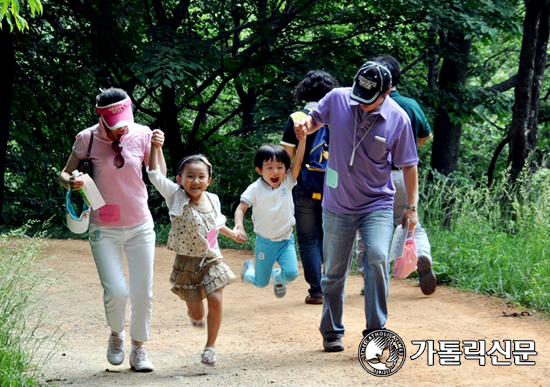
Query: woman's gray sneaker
[115,349]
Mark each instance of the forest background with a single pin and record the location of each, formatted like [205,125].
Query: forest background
[218,76]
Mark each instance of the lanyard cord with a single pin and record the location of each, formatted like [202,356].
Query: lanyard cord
[360,141]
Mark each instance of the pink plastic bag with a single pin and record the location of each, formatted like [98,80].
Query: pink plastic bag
[405,265]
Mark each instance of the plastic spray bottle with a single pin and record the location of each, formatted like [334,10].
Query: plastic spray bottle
[76,173]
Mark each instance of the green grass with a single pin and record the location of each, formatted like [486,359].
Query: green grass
[23,347]
[490,241]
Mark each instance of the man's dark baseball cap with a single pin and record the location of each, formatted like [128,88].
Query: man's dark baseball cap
[372,80]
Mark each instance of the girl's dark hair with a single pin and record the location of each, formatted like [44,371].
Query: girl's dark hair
[314,86]
[194,159]
[110,96]
[393,65]
[271,152]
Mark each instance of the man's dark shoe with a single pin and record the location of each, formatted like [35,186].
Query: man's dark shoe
[333,345]
[312,300]
[426,276]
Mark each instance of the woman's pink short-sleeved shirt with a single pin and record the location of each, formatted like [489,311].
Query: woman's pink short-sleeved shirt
[123,188]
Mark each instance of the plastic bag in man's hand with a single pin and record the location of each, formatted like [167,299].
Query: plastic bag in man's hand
[406,264]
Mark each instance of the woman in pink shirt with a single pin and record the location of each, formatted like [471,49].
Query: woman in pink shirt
[118,150]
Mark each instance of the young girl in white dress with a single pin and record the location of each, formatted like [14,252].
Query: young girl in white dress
[199,271]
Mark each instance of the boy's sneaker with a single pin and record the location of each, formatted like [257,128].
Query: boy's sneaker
[138,360]
[115,349]
[278,288]
[248,265]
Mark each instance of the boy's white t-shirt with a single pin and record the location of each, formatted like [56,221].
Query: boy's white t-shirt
[272,208]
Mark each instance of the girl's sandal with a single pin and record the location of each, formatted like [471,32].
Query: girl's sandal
[209,356]
[197,323]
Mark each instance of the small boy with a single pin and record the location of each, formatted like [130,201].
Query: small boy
[273,216]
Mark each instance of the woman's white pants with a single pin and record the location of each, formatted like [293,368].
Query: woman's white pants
[138,244]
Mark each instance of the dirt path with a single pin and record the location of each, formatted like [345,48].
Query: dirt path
[266,341]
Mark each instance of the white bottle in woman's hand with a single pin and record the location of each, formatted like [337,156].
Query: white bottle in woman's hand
[76,173]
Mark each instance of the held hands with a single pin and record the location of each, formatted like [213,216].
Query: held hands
[158,138]
[240,234]
[232,233]
[301,127]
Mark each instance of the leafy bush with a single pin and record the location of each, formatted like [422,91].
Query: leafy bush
[22,282]
[491,240]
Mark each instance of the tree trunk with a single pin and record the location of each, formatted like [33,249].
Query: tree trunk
[454,71]
[524,127]
[498,150]
[432,59]
[540,65]
[7,58]
[170,127]
[248,102]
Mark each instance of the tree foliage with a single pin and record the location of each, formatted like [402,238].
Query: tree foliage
[217,77]
[10,11]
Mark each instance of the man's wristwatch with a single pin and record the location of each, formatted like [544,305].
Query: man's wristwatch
[411,206]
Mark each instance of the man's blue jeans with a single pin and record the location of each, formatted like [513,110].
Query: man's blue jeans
[400,201]
[376,229]
[309,230]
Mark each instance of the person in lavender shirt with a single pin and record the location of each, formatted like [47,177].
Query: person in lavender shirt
[368,132]
[422,132]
